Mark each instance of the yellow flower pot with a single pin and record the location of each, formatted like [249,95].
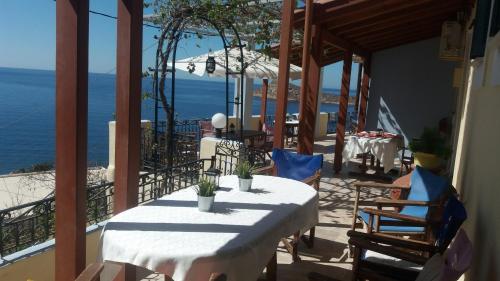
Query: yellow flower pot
[427,160]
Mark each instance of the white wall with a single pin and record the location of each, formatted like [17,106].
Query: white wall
[410,89]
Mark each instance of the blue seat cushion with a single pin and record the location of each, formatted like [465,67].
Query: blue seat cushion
[296,166]
[425,186]
[391,228]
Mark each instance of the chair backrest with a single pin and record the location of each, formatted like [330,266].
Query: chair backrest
[296,166]
[425,186]
[454,214]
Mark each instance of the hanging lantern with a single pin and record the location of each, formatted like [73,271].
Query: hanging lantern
[213,174]
[210,67]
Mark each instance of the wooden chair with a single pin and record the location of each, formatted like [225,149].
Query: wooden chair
[426,193]
[381,256]
[305,168]
[406,161]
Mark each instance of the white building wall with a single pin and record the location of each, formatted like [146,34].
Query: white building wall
[410,88]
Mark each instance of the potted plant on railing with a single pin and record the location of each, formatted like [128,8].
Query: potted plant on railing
[206,195]
[244,172]
[430,149]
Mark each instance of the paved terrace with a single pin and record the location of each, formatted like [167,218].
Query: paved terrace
[330,253]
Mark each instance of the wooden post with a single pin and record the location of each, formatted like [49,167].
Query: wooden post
[344,97]
[128,110]
[286,34]
[358,87]
[311,76]
[309,102]
[263,103]
[365,89]
[72,36]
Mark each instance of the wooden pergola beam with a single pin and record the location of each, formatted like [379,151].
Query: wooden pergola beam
[396,18]
[72,39]
[343,103]
[367,11]
[397,40]
[128,111]
[358,87]
[286,35]
[342,43]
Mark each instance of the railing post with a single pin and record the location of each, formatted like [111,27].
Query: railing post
[1,234]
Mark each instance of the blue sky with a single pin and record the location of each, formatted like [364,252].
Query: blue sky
[27,40]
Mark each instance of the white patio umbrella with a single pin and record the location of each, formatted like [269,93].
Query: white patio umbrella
[259,65]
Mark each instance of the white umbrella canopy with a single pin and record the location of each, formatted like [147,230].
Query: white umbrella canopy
[259,65]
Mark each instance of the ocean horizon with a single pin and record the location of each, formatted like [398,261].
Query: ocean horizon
[27,112]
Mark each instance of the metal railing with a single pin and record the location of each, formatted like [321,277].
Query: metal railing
[33,223]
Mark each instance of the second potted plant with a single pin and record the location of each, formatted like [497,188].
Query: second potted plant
[206,195]
[244,172]
[430,149]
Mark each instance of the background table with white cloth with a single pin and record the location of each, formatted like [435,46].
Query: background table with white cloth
[384,149]
[172,237]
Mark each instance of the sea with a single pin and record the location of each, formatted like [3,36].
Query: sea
[27,113]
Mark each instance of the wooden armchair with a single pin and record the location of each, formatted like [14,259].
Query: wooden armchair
[304,168]
[380,256]
[425,192]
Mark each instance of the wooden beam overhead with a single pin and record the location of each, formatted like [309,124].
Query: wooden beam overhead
[286,34]
[72,40]
[342,43]
[419,14]
[401,31]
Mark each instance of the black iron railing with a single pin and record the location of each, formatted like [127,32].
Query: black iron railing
[33,223]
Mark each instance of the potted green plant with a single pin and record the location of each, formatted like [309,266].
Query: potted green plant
[206,195]
[430,149]
[244,172]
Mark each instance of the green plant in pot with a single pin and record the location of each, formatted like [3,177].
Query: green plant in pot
[430,149]
[206,195]
[244,172]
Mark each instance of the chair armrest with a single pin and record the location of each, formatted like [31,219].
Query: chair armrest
[387,250]
[414,220]
[394,241]
[313,179]
[91,273]
[372,184]
[402,203]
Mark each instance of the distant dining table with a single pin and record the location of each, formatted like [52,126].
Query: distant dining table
[170,236]
[382,145]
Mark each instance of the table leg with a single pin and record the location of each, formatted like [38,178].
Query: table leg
[271,269]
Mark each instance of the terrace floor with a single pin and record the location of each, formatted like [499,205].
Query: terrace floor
[330,253]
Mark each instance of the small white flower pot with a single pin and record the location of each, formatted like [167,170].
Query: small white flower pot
[205,204]
[245,184]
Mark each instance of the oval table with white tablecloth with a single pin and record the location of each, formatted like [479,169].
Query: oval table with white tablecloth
[172,237]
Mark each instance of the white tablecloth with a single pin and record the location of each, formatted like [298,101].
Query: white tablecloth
[384,149]
[172,237]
